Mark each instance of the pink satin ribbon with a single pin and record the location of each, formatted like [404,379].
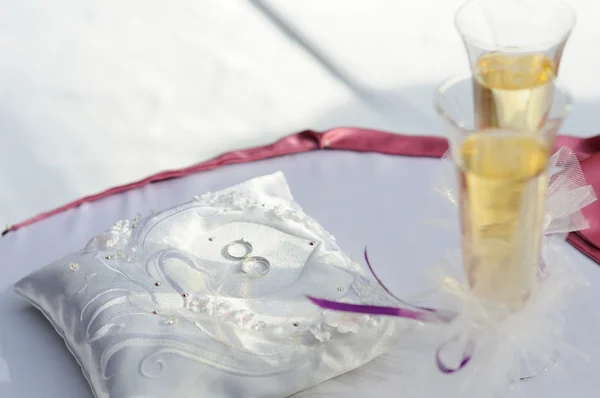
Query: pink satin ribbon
[368,140]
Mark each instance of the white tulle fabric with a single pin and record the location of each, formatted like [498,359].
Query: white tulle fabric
[523,344]
[154,307]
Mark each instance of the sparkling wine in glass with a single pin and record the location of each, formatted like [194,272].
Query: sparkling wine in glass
[515,48]
[513,92]
[502,190]
[502,180]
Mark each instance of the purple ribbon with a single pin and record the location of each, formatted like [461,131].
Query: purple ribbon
[418,313]
[467,354]
[377,310]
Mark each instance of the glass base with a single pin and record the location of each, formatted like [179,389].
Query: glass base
[531,369]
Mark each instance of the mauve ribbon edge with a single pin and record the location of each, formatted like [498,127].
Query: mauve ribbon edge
[343,138]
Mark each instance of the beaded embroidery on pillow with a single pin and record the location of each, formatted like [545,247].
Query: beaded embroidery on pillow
[209,299]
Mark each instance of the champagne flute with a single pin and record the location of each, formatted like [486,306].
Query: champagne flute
[502,183]
[515,49]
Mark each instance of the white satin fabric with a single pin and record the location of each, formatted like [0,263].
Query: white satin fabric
[157,306]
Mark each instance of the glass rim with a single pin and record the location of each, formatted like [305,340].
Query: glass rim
[446,84]
[516,49]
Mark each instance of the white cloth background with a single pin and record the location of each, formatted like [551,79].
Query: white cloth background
[99,93]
